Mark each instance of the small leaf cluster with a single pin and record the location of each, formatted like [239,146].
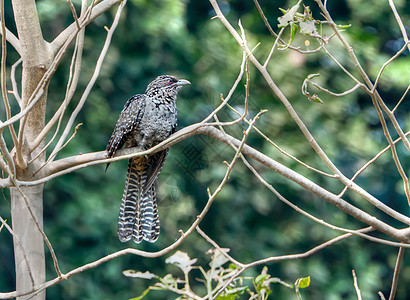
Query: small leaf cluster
[302,21]
[222,281]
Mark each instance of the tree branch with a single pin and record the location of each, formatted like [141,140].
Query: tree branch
[96,11]
[380,205]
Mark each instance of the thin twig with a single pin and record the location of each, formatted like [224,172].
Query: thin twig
[19,157]
[376,202]
[396,273]
[401,99]
[281,150]
[356,286]
[393,150]
[358,85]
[62,147]
[231,91]
[365,166]
[273,47]
[386,64]
[375,96]
[74,14]
[70,90]
[345,70]
[400,22]
[91,83]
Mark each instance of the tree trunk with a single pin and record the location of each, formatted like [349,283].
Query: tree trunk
[37,57]
[30,239]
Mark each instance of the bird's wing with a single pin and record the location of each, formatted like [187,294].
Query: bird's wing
[129,118]
[156,162]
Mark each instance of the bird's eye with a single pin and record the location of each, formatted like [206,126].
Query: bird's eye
[170,81]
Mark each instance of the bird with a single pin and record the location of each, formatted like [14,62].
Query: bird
[145,121]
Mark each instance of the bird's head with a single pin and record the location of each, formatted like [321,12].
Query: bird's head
[166,83]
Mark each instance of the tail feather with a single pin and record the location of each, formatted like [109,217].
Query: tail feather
[138,217]
[129,211]
[149,215]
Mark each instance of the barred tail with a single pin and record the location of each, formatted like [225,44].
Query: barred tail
[138,217]
[129,209]
[149,216]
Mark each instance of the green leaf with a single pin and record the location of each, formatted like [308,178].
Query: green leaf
[303,282]
[315,98]
[288,16]
[134,274]
[344,26]
[261,278]
[181,260]
[293,30]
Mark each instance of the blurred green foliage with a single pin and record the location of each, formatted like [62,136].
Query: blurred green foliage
[178,37]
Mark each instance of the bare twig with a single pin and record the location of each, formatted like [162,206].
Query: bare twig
[74,14]
[281,150]
[92,81]
[400,22]
[356,286]
[231,91]
[301,124]
[401,99]
[71,88]
[4,88]
[345,70]
[370,162]
[273,47]
[93,11]
[74,76]
[358,85]
[375,96]
[386,64]
[396,273]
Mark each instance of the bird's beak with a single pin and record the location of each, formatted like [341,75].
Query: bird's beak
[183,82]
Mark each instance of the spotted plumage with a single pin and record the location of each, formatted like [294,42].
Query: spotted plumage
[146,120]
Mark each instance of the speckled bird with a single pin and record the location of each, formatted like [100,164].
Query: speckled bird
[146,120]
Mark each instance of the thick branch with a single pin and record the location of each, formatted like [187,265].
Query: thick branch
[81,161]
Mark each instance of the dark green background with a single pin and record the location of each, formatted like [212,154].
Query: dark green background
[179,37]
